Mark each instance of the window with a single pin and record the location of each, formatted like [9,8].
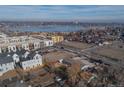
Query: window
[37,57]
[6,68]
[13,48]
[17,57]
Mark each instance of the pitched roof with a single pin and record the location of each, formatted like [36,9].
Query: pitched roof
[7,57]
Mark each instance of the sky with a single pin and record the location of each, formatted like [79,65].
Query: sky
[84,13]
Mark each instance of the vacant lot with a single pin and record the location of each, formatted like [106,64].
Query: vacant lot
[9,74]
[76,45]
[113,53]
[54,56]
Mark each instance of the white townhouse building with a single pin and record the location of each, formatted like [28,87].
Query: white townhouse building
[13,43]
[36,61]
[22,42]
[48,42]
[23,59]
[20,52]
[2,35]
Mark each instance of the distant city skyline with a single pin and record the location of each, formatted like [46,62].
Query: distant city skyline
[85,13]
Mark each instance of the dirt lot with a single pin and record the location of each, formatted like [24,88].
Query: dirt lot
[110,52]
[54,56]
[9,74]
[76,45]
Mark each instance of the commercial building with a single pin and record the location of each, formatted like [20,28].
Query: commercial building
[57,39]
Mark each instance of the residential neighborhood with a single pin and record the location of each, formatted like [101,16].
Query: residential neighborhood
[61,46]
[62,59]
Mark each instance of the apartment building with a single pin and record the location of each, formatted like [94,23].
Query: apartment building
[57,39]
[20,52]
[23,59]
[8,44]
